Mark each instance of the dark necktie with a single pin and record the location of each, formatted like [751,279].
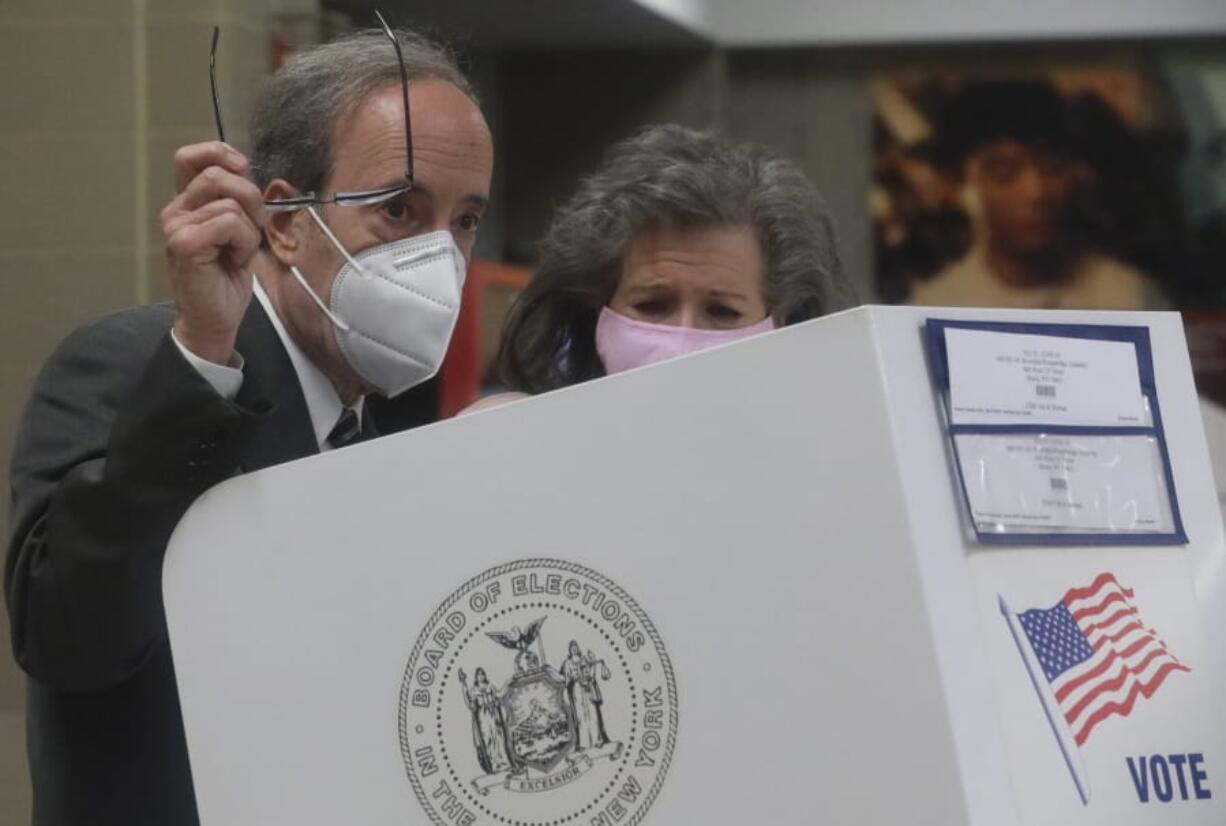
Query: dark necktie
[348,430]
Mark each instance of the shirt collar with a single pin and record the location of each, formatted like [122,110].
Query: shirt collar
[323,405]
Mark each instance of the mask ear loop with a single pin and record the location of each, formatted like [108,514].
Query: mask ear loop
[339,246]
[333,317]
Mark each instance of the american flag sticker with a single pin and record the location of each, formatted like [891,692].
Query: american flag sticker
[1091,657]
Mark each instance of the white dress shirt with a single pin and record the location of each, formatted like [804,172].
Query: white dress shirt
[323,405]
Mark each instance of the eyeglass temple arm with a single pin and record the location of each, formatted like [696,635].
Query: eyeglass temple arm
[404,88]
[221,130]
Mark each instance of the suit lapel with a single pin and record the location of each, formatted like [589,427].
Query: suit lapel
[287,434]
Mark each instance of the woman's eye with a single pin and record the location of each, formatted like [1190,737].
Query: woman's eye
[469,222]
[723,312]
[652,307]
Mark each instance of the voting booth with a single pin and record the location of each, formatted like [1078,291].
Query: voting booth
[895,565]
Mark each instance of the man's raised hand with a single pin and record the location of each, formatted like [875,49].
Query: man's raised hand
[212,231]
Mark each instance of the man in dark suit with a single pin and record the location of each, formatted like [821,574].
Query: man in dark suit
[261,359]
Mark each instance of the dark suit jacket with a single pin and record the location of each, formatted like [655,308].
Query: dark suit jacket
[120,436]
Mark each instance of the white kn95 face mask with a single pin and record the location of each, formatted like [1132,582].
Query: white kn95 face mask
[394,307]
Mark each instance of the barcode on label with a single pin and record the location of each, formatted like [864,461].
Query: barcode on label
[1047,391]
[1059,484]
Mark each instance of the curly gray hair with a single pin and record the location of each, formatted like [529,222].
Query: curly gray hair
[674,176]
[301,103]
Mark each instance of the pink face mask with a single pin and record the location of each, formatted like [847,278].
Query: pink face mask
[624,343]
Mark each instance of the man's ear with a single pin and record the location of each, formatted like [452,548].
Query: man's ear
[281,232]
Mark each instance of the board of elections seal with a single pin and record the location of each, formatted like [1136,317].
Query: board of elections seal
[539,694]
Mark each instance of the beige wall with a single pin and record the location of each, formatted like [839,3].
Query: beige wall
[96,95]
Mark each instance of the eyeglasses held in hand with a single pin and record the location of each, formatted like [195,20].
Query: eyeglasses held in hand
[361,198]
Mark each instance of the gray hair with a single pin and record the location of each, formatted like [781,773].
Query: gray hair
[667,176]
[301,103]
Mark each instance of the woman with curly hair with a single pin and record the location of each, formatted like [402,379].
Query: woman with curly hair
[680,240]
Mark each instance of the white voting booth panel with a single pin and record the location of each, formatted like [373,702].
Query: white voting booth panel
[776,612]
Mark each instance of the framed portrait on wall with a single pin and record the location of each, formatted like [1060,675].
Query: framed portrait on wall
[1079,186]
